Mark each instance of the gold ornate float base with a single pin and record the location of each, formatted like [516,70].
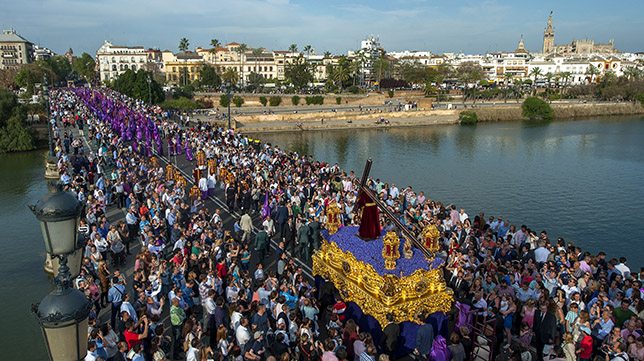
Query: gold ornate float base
[377,295]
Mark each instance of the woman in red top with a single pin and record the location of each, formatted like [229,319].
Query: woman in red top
[585,349]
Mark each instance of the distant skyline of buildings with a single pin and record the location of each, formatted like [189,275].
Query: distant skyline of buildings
[581,61]
[178,68]
[431,36]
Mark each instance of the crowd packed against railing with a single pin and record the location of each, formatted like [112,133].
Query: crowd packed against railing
[520,294]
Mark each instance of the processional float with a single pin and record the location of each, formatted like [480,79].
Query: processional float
[365,265]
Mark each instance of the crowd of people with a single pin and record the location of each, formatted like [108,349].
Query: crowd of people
[203,287]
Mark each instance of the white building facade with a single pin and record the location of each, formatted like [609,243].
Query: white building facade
[14,50]
[114,60]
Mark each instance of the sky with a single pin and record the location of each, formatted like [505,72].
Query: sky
[328,25]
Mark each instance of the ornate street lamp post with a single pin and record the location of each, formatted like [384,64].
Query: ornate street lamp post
[228,89]
[51,169]
[45,95]
[149,90]
[63,313]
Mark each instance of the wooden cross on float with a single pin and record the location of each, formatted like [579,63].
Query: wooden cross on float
[385,210]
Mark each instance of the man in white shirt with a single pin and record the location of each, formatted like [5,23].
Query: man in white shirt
[216,217]
[209,307]
[570,288]
[235,318]
[541,253]
[480,305]
[242,333]
[179,244]
[203,187]
[463,216]
[623,268]
[393,191]
[246,225]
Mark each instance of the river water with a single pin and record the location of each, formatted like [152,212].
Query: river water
[582,180]
[22,280]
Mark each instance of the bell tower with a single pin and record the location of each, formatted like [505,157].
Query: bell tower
[549,37]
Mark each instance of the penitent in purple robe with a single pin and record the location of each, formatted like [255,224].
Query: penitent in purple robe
[188,151]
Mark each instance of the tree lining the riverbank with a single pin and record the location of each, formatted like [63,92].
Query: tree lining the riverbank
[14,135]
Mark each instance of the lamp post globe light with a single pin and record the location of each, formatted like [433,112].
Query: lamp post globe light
[63,313]
[63,316]
[58,213]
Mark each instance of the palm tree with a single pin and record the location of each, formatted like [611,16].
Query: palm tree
[355,67]
[292,48]
[308,49]
[506,88]
[565,76]
[230,76]
[549,77]
[215,44]
[184,43]
[592,73]
[517,89]
[381,67]
[241,50]
[327,54]
[257,53]
[341,74]
[535,73]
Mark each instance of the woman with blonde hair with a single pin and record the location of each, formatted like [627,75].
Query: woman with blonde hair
[569,347]
[104,280]
[222,342]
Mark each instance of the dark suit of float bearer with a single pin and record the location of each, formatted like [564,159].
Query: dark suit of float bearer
[314,225]
[261,244]
[304,241]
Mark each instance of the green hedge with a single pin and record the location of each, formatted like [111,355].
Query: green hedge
[223,100]
[275,101]
[238,101]
[295,100]
[314,100]
[180,104]
[263,100]
[338,100]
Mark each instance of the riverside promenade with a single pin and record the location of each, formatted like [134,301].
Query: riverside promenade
[374,117]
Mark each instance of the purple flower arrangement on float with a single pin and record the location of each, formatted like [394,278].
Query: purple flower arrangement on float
[370,252]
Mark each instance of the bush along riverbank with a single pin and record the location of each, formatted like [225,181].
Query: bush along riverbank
[560,111]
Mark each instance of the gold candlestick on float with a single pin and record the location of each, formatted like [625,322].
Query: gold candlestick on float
[195,193]
[180,181]
[390,252]
[169,172]
[201,158]
[431,236]
[212,166]
[333,221]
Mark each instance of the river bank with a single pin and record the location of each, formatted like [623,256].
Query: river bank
[330,120]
